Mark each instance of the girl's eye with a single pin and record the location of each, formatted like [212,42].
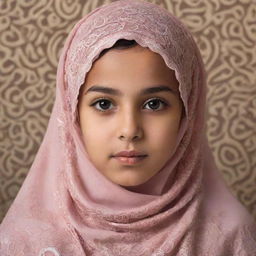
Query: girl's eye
[156,102]
[153,104]
[103,103]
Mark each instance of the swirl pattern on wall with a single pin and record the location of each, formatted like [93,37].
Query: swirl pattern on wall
[32,34]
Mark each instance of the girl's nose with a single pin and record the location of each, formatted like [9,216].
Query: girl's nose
[130,126]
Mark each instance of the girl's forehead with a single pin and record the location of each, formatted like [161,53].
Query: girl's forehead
[131,71]
[131,64]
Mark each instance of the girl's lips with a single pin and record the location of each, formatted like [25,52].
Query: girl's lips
[131,153]
[130,160]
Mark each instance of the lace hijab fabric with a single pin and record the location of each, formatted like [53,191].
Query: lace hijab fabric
[67,207]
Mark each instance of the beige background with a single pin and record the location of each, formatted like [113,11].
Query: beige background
[32,34]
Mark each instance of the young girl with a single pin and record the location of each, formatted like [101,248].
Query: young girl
[125,167]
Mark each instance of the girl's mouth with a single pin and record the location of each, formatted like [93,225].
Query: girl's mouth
[130,160]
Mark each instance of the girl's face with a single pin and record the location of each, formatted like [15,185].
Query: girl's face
[127,115]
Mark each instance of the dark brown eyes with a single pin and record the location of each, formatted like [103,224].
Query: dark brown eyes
[103,104]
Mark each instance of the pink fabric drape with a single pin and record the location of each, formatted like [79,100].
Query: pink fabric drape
[67,207]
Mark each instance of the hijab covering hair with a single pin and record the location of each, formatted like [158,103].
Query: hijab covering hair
[67,207]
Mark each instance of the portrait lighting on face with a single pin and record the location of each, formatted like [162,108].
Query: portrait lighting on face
[130,111]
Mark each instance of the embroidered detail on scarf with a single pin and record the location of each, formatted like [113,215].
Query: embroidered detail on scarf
[49,249]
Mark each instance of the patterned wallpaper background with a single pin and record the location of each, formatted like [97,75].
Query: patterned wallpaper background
[32,34]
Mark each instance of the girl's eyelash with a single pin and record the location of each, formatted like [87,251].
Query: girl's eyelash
[106,99]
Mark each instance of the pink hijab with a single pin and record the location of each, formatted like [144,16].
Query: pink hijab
[67,207]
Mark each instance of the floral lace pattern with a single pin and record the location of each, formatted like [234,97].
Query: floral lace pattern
[103,33]
[53,251]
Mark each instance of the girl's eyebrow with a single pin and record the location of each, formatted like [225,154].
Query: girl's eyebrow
[112,91]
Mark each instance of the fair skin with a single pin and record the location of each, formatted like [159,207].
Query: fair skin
[131,120]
